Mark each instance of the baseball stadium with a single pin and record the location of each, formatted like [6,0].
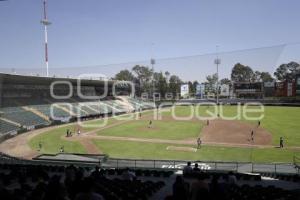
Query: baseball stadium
[155,129]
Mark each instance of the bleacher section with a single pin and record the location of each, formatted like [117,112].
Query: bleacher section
[139,104]
[21,116]
[6,127]
[46,110]
[31,116]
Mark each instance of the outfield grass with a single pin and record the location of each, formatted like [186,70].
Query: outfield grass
[52,142]
[173,130]
[139,150]
[280,121]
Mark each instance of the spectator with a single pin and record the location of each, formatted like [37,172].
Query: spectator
[180,189]
[128,175]
[200,188]
[215,188]
[96,173]
[187,169]
[232,179]
[196,168]
[88,192]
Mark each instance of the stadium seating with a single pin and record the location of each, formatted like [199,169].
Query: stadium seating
[23,117]
[6,127]
[139,104]
[40,114]
[46,110]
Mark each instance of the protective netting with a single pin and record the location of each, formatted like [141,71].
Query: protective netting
[188,68]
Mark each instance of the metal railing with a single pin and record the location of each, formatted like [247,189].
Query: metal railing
[243,167]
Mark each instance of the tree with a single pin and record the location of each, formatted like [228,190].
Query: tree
[191,88]
[174,85]
[225,81]
[255,76]
[241,73]
[195,83]
[266,77]
[143,73]
[287,72]
[212,79]
[262,77]
[124,75]
[160,83]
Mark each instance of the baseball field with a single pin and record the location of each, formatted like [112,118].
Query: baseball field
[171,133]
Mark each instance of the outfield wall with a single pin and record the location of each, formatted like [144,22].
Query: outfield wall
[105,162]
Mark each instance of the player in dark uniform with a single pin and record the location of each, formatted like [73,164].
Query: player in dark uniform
[281,142]
[207,122]
[199,142]
[252,135]
[258,123]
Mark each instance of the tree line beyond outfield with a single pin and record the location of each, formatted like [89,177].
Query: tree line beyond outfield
[145,78]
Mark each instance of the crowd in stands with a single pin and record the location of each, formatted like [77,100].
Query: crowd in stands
[35,182]
[58,182]
[194,185]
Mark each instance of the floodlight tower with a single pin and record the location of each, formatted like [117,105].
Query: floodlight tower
[217,62]
[46,23]
[152,61]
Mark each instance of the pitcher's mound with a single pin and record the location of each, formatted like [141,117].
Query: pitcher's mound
[174,148]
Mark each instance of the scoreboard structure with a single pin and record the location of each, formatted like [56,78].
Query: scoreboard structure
[248,90]
[298,85]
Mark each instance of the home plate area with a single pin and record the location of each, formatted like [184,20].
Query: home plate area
[176,148]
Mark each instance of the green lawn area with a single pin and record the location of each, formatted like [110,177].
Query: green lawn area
[280,121]
[139,150]
[51,142]
[159,129]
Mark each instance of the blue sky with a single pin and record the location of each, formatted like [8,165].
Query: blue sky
[100,32]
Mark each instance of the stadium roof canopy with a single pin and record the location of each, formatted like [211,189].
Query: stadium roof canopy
[26,79]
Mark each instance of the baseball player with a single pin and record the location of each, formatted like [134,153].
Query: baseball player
[199,142]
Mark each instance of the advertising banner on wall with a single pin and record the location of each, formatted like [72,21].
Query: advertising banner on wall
[200,90]
[184,90]
[269,84]
[289,89]
[224,90]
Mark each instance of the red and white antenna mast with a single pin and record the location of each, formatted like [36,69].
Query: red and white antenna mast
[46,23]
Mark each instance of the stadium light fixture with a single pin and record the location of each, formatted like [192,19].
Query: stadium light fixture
[46,23]
[152,62]
[217,62]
